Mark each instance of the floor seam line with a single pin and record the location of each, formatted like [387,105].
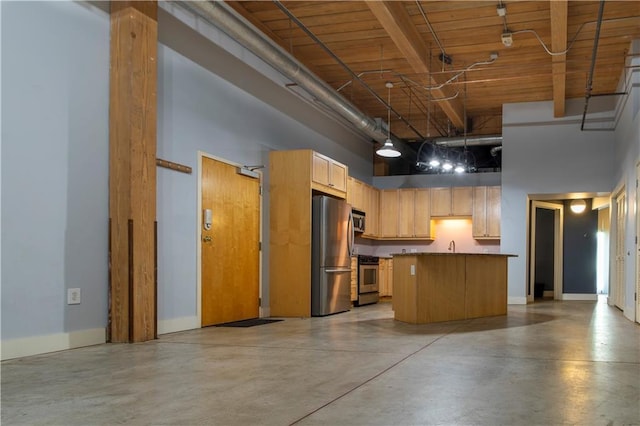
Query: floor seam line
[375,376]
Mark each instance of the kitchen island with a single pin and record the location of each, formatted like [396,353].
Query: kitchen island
[434,287]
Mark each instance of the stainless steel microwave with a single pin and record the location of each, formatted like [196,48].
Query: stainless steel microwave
[358,220]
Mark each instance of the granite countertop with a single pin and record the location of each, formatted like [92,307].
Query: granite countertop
[449,254]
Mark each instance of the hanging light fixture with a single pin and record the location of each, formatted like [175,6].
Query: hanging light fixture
[388,150]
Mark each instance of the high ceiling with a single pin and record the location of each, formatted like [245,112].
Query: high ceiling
[405,42]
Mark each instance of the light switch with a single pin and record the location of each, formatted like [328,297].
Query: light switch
[413,269]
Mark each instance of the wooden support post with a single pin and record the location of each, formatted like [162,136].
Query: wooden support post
[132,171]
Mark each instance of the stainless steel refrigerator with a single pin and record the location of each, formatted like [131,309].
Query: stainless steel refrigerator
[332,247]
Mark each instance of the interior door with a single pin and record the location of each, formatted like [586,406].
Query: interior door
[620,231]
[637,245]
[230,259]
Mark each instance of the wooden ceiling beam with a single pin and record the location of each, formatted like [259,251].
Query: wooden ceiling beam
[559,11]
[397,23]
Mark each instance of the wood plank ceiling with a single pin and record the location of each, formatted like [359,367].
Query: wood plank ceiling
[403,42]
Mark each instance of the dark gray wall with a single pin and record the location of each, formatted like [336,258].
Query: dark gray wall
[544,247]
[580,250]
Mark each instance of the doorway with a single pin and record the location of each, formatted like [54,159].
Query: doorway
[229,243]
[618,288]
[543,268]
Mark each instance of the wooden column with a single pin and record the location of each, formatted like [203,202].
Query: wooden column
[132,171]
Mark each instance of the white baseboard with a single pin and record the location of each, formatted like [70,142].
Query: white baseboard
[27,346]
[512,300]
[577,296]
[178,324]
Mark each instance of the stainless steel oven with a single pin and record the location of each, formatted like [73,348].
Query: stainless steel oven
[368,280]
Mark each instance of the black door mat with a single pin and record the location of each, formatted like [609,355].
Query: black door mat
[248,322]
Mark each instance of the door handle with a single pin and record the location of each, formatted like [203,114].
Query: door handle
[206,239]
[338,270]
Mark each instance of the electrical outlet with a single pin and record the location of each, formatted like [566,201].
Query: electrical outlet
[413,269]
[73,296]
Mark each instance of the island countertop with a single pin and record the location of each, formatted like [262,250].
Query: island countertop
[425,253]
[433,287]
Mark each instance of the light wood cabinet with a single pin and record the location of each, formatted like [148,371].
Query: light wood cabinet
[355,194]
[456,201]
[434,287]
[388,220]
[328,175]
[405,214]
[354,278]
[372,206]
[486,212]
[293,175]
[385,275]
[365,198]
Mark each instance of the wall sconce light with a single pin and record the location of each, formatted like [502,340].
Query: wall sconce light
[578,206]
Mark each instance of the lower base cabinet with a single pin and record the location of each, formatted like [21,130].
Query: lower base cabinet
[385,275]
[354,278]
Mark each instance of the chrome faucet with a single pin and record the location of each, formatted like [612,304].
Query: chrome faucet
[452,246]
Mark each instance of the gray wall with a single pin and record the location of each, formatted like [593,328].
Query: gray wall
[435,181]
[543,155]
[580,246]
[55,62]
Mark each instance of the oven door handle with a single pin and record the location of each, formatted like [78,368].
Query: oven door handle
[337,270]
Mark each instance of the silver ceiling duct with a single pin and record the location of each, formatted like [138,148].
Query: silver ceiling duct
[235,26]
[469,141]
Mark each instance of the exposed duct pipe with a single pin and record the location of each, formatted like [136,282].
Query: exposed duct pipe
[494,151]
[470,141]
[225,18]
[589,87]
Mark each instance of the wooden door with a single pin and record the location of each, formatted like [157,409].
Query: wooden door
[230,248]
[406,208]
[494,196]
[462,201]
[388,213]
[479,218]
[620,253]
[637,211]
[440,201]
[422,213]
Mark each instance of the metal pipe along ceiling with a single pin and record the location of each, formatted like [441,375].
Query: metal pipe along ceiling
[223,17]
[469,141]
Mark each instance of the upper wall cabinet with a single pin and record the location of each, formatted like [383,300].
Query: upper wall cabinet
[404,214]
[457,201]
[365,198]
[355,194]
[329,176]
[371,202]
[486,212]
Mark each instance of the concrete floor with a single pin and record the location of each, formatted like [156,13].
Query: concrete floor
[548,363]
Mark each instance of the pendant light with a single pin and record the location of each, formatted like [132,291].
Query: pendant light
[388,150]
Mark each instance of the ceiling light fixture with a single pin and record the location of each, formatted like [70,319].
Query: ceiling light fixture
[578,206]
[507,39]
[388,150]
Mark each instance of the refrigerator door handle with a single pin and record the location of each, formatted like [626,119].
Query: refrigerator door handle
[337,270]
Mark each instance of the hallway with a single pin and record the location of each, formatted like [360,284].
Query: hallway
[547,363]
